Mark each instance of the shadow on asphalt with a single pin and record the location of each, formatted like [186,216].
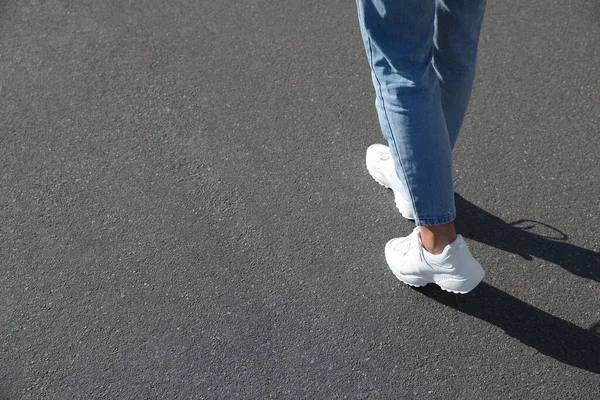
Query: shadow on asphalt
[550,335]
[544,332]
[520,238]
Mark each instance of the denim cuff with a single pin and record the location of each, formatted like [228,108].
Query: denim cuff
[431,221]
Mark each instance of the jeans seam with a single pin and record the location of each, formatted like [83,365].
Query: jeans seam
[387,120]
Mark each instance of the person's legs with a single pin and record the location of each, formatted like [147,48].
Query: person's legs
[399,40]
[398,37]
[456,39]
[458,25]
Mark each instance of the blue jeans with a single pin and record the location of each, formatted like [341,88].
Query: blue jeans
[422,55]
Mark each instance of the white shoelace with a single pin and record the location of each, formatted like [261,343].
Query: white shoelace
[406,245]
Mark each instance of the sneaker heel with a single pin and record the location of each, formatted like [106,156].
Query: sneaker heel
[459,286]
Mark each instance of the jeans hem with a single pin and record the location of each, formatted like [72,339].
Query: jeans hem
[435,220]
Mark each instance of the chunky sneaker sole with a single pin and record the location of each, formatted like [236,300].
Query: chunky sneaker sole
[381,167]
[454,270]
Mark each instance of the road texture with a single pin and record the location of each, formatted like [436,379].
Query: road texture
[185,211]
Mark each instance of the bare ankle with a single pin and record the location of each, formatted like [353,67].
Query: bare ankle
[436,238]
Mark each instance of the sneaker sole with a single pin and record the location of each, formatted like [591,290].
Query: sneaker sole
[446,282]
[407,215]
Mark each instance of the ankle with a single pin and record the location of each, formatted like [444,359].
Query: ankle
[435,238]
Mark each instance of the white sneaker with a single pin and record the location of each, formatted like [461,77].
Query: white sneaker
[381,167]
[455,270]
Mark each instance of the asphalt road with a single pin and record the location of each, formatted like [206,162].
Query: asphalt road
[185,211]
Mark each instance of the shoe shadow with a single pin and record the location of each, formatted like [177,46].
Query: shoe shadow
[519,238]
[550,335]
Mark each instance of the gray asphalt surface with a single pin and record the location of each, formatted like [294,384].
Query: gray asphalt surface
[185,211]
